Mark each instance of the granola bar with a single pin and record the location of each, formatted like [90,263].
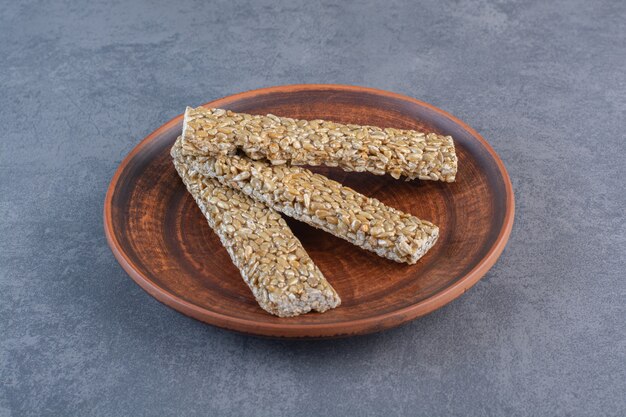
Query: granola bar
[283,140]
[272,261]
[320,202]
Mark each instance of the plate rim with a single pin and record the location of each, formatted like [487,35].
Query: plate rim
[314,330]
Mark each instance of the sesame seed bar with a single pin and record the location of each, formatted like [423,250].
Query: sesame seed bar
[283,140]
[322,203]
[272,261]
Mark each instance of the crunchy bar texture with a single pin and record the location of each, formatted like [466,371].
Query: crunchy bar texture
[280,140]
[322,203]
[272,261]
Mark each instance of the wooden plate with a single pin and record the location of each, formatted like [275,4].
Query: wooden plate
[164,243]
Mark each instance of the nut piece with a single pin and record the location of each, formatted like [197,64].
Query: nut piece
[282,140]
[320,202]
[272,261]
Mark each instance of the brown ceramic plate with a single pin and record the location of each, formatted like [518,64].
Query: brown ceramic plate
[164,243]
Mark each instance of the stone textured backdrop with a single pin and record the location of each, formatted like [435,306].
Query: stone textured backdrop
[544,82]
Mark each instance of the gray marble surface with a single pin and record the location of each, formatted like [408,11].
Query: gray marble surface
[542,334]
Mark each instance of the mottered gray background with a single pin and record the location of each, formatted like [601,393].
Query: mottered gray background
[81,83]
